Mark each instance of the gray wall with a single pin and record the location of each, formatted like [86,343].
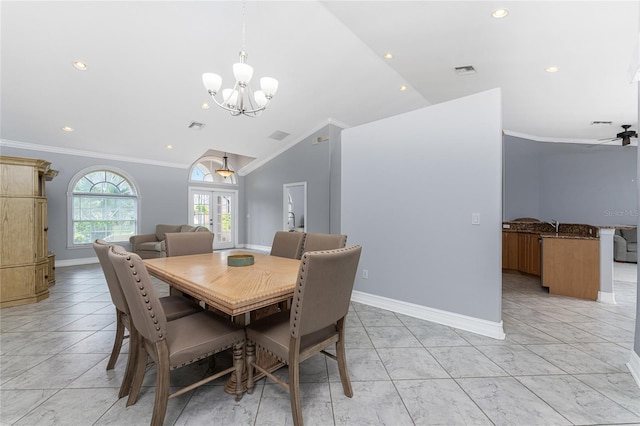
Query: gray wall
[636,345]
[521,178]
[163,195]
[307,161]
[410,184]
[573,183]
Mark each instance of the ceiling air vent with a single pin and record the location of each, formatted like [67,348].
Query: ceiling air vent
[467,69]
[278,135]
[195,125]
[596,123]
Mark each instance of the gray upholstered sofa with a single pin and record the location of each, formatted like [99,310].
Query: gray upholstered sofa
[625,245]
[149,246]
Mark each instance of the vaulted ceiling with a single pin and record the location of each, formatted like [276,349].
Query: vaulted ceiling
[143,88]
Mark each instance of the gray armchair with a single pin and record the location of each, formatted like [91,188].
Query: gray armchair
[625,245]
[149,246]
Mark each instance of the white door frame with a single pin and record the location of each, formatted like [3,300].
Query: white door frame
[234,211]
[285,204]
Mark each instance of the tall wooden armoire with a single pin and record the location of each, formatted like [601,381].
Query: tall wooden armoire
[24,255]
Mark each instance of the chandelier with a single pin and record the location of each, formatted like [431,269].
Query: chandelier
[224,171]
[241,99]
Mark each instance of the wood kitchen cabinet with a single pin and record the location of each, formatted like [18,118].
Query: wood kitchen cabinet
[529,253]
[509,250]
[521,252]
[24,263]
[572,267]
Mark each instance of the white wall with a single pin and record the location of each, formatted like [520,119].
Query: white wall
[410,184]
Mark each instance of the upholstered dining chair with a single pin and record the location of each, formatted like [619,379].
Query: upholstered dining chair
[172,344]
[317,242]
[174,307]
[288,244]
[185,243]
[315,322]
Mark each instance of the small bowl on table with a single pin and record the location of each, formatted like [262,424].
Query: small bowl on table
[240,260]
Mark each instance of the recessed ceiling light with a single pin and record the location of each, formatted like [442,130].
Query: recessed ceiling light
[388,56]
[67,129]
[79,65]
[403,88]
[205,106]
[552,69]
[169,146]
[500,13]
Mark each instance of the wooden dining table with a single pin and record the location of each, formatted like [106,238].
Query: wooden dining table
[234,290]
[237,291]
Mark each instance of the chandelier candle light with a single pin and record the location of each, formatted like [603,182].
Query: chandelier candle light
[241,99]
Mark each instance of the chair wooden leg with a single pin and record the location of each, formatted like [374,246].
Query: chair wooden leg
[117,344]
[130,370]
[162,385]
[342,362]
[294,392]
[251,358]
[138,371]
[238,363]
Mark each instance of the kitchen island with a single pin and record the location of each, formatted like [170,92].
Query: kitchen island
[567,261]
[571,265]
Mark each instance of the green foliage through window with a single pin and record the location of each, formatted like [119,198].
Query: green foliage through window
[105,206]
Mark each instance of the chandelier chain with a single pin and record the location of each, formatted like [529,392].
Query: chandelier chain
[244,41]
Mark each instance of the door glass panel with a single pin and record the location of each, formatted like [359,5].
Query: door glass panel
[201,209]
[223,222]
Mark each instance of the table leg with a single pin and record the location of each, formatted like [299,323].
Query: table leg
[263,358]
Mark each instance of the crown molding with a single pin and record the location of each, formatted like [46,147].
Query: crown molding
[91,154]
[555,140]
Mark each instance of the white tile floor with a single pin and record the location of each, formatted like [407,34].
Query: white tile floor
[563,362]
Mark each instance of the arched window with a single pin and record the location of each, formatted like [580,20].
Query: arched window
[205,171]
[103,205]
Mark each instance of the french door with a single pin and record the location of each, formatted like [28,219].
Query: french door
[217,211]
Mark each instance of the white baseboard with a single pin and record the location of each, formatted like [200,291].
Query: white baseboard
[451,319]
[76,262]
[256,247]
[634,366]
[605,297]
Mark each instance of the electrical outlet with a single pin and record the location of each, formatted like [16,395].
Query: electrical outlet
[475,218]
[365,274]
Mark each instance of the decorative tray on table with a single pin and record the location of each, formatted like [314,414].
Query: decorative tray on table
[240,260]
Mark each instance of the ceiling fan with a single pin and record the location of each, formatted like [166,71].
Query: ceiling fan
[625,135]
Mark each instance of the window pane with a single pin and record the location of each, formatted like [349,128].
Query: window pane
[103,207]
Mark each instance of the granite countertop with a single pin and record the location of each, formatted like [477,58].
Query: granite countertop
[568,236]
[567,230]
[617,227]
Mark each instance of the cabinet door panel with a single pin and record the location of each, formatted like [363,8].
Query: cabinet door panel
[534,255]
[41,282]
[16,231]
[40,229]
[17,283]
[510,250]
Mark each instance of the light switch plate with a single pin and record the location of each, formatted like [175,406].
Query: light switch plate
[475,218]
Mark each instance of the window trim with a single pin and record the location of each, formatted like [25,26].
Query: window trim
[72,183]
